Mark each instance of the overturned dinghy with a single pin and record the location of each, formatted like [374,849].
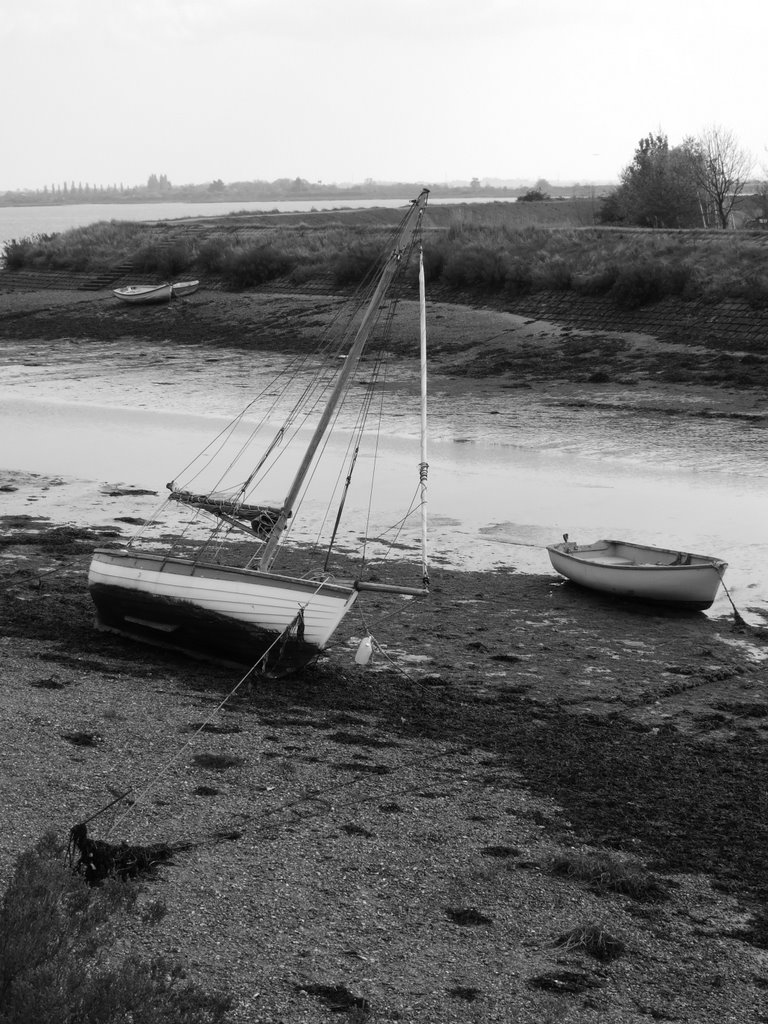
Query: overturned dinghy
[640,571]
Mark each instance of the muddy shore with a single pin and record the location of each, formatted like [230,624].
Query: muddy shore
[507,722]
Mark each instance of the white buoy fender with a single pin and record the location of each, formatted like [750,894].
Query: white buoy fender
[364,650]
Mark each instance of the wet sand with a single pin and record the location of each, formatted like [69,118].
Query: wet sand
[493,348]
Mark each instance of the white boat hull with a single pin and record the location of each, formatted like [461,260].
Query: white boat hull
[142,294]
[230,614]
[182,288]
[641,572]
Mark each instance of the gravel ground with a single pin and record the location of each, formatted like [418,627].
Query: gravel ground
[389,834]
[380,844]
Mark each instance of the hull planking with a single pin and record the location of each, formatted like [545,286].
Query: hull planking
[232,615]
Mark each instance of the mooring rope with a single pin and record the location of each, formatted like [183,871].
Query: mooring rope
[738,618]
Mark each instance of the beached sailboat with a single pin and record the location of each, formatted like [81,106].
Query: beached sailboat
[142,294]
[249,612]
[640,571]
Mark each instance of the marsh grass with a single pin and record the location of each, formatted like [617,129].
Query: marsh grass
[607,873]
[591,939]
[92,248]
[165,260]
[494,250]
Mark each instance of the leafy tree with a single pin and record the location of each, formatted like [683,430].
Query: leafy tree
[155,184]
[533,195]
[658,189]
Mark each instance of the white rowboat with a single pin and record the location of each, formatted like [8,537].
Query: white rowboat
[182,288]
[149,293]
[641,572]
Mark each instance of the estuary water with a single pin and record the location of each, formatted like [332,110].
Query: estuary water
[510,470]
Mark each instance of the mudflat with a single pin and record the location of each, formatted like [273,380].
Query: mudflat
[624,359]
[523,769]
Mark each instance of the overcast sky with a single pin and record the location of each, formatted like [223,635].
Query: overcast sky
[105,92]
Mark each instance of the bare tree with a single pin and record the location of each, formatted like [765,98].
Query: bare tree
[722,170]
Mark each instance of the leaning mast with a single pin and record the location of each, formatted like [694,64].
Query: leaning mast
[409,225]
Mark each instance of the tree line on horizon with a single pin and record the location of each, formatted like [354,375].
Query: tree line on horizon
[159,189]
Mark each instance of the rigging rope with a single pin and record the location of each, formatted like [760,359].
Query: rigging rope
[296,623]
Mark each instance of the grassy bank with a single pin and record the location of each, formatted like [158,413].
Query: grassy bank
[475,252]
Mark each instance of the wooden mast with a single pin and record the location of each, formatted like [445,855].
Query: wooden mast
[409,225]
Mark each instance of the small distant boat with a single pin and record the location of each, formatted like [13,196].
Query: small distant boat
[640,572]
[146,293]
[182,288]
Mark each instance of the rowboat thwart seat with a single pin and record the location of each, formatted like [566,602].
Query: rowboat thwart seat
[612,560]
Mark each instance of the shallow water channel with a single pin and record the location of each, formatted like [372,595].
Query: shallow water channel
[510,470]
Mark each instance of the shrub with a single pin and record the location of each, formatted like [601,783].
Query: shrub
[756,291]
[30,252]
[533,195]
[634,287]
[519,278]
[304,273]
[434,262]
[16,253]
[596,282]
[55,961]
[475,267]
[553,275]
[355,264]
[165,260]
[212,253]
[641,283]
[252,265]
